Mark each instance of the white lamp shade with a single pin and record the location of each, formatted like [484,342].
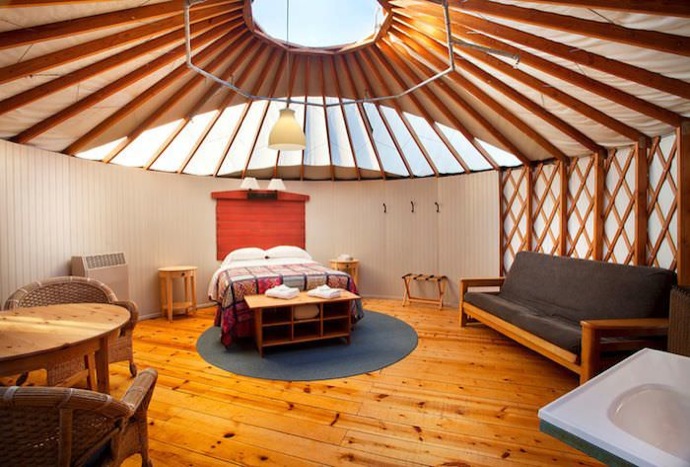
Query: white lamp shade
[249,183]
[276,184]
[286,134]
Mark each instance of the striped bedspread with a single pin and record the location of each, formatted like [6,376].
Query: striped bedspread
[229,287]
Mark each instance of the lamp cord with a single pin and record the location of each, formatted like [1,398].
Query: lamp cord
[287,50]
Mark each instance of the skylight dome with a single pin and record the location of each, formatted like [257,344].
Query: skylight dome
[319,24]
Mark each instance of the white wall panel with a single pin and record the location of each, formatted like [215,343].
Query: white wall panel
[469,228]
[53,207]
[411,237]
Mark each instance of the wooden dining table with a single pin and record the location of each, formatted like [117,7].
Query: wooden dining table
[37,337]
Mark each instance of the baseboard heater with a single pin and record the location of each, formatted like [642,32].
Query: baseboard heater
[111,269]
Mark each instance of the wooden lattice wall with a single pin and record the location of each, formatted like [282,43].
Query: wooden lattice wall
[620,207]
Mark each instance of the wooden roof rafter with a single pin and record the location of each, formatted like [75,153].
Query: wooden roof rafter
[582,81]
[88,24]
[582,57]
[279,70]
[241,45]
[558,96]
[362,111]
[663,42]
[550,91]
[320,71]
[90,48]
[365,59]
[471,111]
[364,80]
[423,44]
[560,102]
[112,88]
[90,71]
[402,84]
[335,79]
[194,82]
[173,77]
[382,58]
[238,48]
[651,7]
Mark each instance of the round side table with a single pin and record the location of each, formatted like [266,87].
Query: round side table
[165,277]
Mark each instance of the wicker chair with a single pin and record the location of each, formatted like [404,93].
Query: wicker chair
[76,289]
[49,426]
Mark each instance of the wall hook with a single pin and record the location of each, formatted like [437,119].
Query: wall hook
[384,208]
[412,203]
[438,208]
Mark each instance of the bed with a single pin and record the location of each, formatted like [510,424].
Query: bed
[251,271]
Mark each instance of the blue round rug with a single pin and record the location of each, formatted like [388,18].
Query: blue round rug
[378,340]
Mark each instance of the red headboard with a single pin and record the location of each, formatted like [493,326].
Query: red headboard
[258,218]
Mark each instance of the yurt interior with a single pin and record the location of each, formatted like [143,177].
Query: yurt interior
[367,232]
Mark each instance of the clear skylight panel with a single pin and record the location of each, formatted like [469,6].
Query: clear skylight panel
[136,154]
[341,151]
[99,152]
[501,157]
[180,148]
[361,142]
[444,160]
[391,159]
[319,24]
[317,152]
[213,147]
[412,153]
[241,147]
[469,154]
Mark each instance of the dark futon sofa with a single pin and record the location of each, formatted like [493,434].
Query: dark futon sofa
[574,311]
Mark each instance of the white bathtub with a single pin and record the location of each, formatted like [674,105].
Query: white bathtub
[638,410]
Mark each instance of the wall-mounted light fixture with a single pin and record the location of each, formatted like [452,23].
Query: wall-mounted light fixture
[249,183]
[276,184]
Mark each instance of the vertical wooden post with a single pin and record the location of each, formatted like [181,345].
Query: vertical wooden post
[683,213]
[641,190]
[528,208]
[563,237]
[598,208]
[501,225]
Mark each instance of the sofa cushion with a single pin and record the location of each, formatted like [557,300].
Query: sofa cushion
[576,289]
[562,332]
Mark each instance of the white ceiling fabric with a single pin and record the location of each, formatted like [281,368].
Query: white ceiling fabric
[129,98]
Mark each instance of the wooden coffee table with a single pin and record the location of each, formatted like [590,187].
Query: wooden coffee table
[277,321]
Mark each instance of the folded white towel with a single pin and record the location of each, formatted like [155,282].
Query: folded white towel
[324,291]
[282,291]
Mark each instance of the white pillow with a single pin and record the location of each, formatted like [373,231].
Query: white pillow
[244,254]
[287,251]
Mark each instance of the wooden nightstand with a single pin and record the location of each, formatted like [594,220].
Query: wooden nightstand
[166,276]
[350,266]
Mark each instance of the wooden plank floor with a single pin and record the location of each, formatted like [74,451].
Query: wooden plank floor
[463,397]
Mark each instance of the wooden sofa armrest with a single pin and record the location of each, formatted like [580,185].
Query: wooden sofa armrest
[465,285]
[594,330]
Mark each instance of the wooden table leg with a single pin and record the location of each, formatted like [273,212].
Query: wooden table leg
[169,296]
[193,281]
[102,370]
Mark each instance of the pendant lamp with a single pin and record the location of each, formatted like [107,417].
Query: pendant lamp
[286,134]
